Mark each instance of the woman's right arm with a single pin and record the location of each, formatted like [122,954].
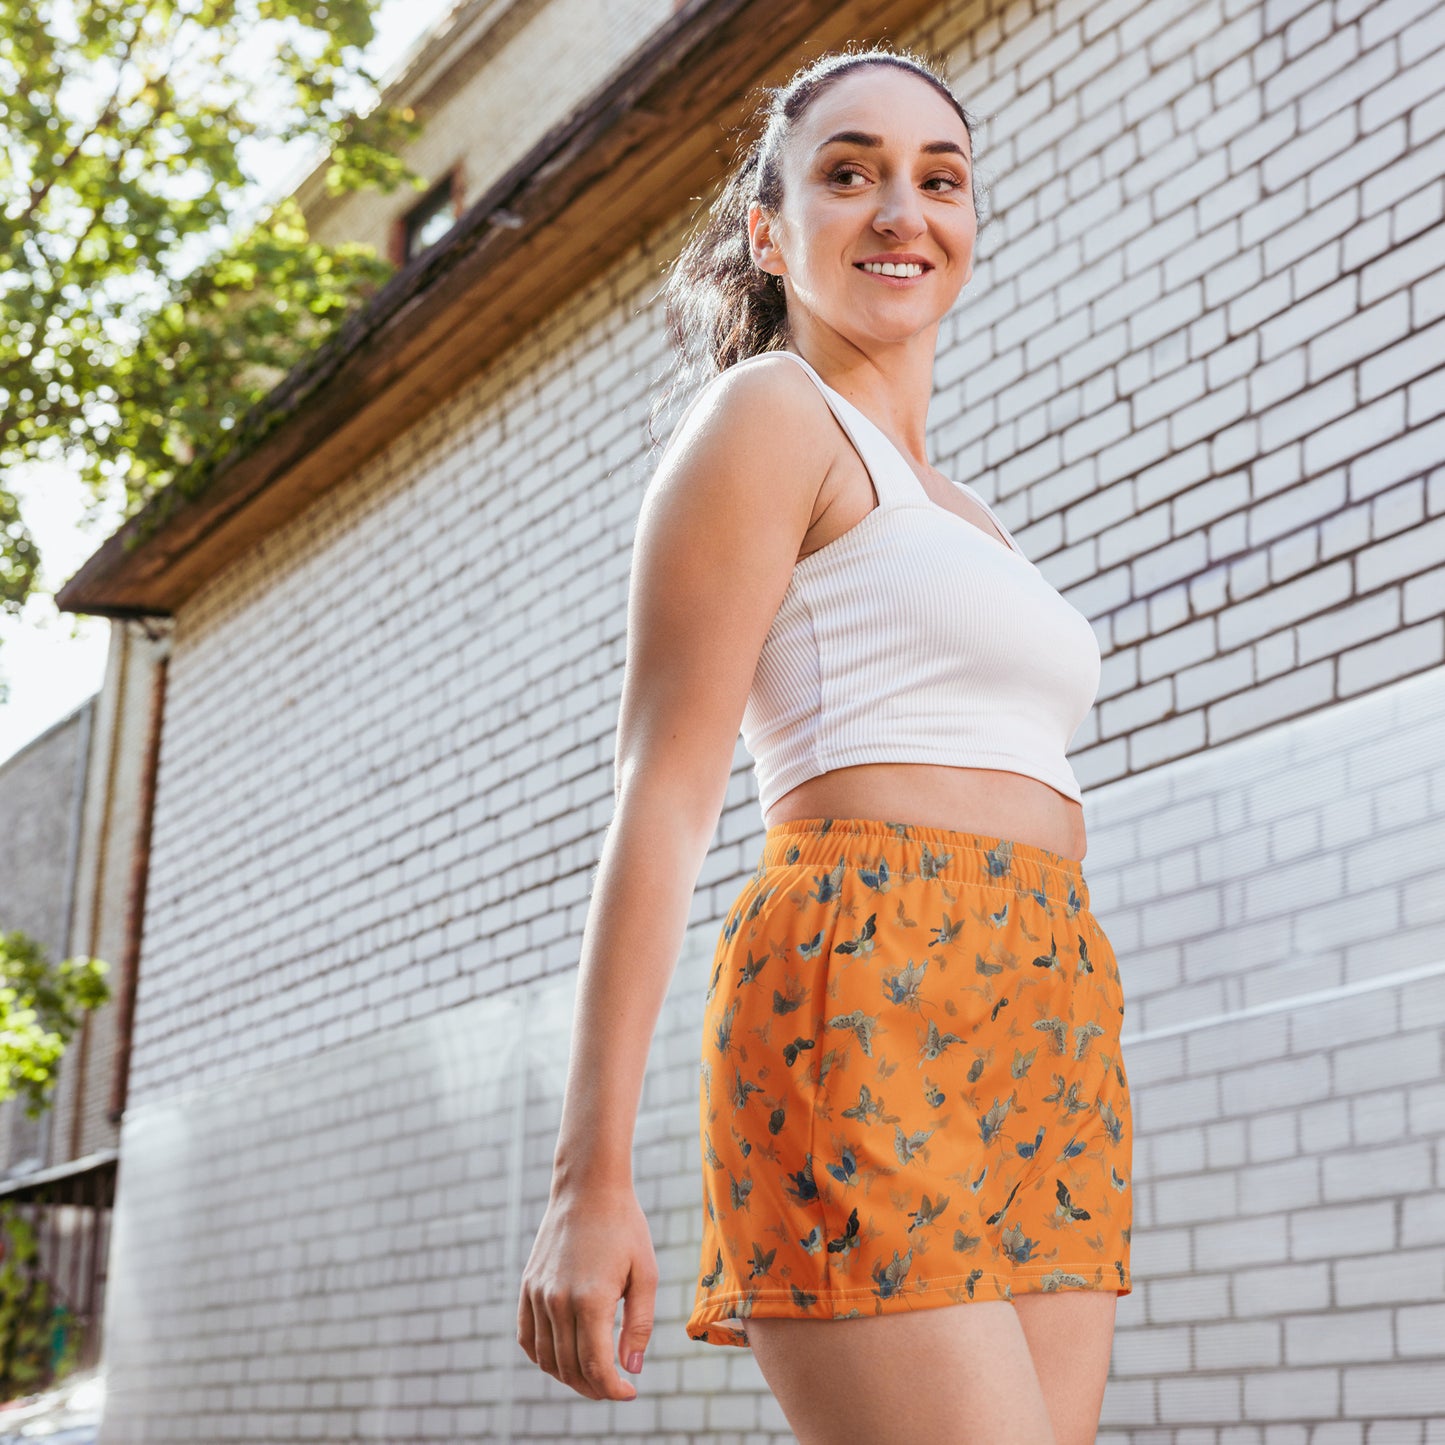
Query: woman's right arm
[719,531]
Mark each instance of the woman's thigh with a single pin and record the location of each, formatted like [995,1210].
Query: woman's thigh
[959,1374]
[1071,1336]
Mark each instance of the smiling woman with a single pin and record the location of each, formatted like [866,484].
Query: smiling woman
[914,1120]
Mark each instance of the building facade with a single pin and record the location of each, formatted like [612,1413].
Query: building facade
[1197,372]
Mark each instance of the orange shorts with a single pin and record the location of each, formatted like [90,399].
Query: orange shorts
[911,1090]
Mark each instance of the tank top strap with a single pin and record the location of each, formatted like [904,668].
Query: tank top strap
[894,480]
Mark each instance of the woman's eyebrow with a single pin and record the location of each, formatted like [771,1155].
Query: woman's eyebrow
[863,138]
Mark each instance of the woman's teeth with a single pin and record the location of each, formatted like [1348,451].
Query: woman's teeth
[893,268]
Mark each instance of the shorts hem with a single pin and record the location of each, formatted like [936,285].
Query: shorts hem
[705,1322]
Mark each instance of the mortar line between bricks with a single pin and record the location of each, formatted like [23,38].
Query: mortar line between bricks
[1299,1000]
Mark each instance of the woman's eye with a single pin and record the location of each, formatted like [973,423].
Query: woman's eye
[836,175]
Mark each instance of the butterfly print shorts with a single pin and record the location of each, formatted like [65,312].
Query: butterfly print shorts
[911,1089]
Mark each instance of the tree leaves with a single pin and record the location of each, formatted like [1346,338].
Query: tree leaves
[144,310]
[41,1005]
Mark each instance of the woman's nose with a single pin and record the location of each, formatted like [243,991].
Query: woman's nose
[899,211]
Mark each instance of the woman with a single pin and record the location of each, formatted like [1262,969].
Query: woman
[911,1092]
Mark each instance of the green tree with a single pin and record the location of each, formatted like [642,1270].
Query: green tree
[41,1005]
[144,308]
[31,1313]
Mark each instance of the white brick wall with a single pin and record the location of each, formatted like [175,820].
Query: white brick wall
[1286,1052]
[331,1248]
[1194,370]
[1202,345]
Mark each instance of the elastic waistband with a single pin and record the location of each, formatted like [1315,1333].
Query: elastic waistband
[913,850]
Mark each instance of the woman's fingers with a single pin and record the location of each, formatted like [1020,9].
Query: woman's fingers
[564,1334]
[593,1339]
[527,1325]
[581,1265]
[544,1342]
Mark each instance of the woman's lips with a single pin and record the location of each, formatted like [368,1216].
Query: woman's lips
[897,281]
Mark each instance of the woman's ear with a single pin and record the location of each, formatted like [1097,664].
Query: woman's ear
[766,255]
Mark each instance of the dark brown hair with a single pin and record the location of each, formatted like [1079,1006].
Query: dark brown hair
[720,308]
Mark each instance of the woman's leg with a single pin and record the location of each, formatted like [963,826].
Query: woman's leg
[958,1374]
[1071,1335]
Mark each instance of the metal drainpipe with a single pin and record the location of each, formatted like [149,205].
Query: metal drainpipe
[97,908]
[139,877]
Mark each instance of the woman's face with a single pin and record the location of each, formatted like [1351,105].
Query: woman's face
[878,167]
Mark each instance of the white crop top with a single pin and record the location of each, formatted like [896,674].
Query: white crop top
[917,637]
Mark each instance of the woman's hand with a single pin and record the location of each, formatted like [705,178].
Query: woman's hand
[593,1248]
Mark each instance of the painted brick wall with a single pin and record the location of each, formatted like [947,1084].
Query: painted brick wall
[1279,904]
[1201,369]
[332,1248]
[1184,375]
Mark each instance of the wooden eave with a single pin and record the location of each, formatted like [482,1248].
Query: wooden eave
[597,184]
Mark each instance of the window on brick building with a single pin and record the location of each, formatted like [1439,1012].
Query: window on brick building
[430,219]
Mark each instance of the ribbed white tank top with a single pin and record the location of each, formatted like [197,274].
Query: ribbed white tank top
[917,637]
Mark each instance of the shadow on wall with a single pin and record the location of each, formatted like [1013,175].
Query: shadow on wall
[337,1244]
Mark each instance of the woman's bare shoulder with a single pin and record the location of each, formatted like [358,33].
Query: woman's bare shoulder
[766,399]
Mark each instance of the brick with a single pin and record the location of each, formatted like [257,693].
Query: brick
[1128,1402]
[1239,1041]
[1343,1337]
[1237,1345]
[1194,1297]
[1387,465]
[1226,1144]
[1274,1135]
[1174,738]
[1280,1289]
[1289,511]
[1370,617]
[1369,1173]
[1380,1063]
[1218,677]
[1180,1151]
[1238,1242]
[1152,1351]
[1156,1252]
[1274,1084]
[1284,697]
[1286,1184]
[1211,1398]
[1414,253]
[1422,1220]
[1295,1394]
[1395,1389]
[1411,649]
[1420,1330]
[1343,1021]
[1425,1105]
[1342,1229]
[1378,1118]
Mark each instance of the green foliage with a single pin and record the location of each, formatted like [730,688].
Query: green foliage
[141,315]
[30,1314]
[40,1009]
[19,557]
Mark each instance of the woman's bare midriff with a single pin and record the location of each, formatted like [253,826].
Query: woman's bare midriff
[971,800]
